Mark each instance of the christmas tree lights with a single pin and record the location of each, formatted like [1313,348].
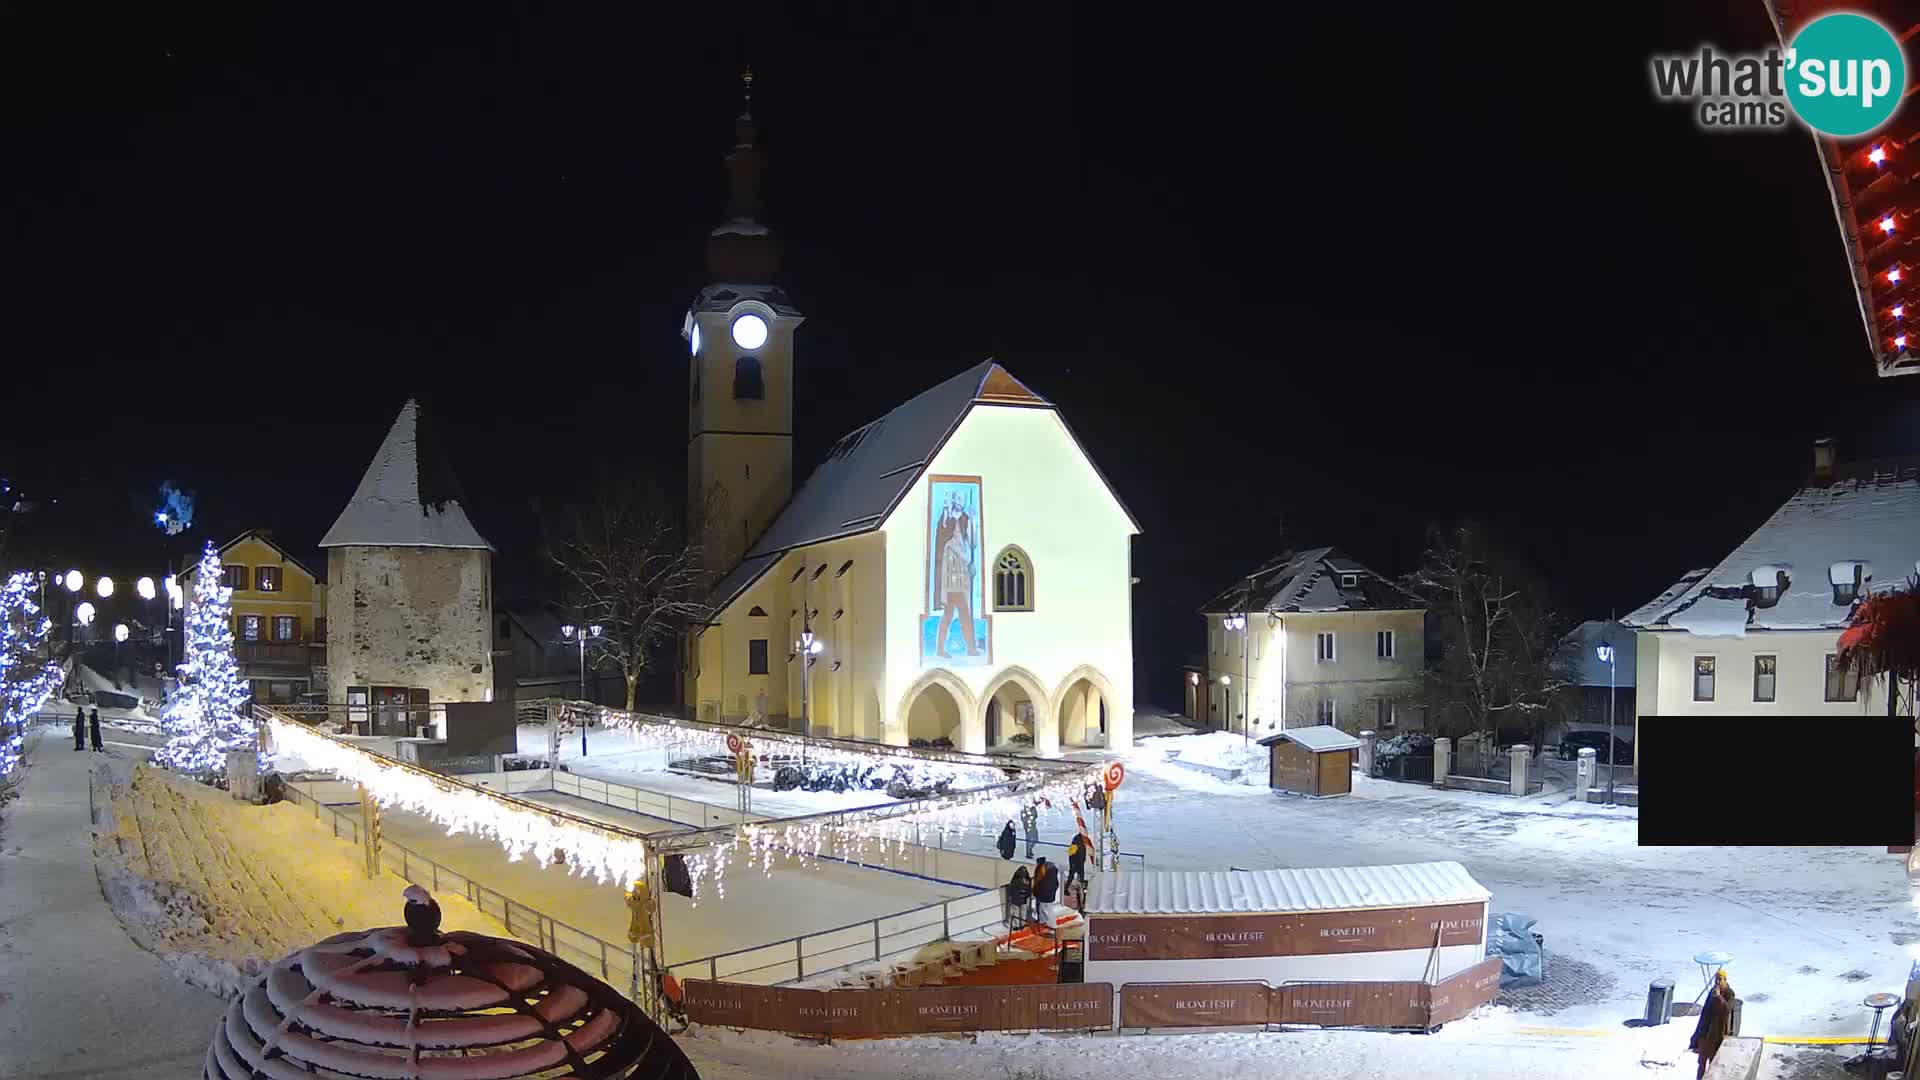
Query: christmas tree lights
[207,716]
[27,680]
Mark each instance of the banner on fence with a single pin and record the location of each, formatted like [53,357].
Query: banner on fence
[918,1011]
[1351,1004]
[1309,933]
[1457,995]
[1221,1004]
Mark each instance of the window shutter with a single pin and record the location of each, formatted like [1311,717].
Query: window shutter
[296,629]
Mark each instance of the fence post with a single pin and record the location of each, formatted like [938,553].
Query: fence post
[799,959]
[876,939]
[713,968]
[946,925]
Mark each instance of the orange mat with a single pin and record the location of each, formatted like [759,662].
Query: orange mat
[1011,973]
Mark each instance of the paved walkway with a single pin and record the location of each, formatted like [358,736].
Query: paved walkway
[77,997]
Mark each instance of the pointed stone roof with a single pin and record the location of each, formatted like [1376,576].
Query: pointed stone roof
[408,498]
[872,468]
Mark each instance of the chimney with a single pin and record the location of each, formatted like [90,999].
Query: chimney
[1823,455]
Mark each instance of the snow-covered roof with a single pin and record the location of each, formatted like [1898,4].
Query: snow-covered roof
[871,469]
[1310,580]
[1869,514]
[1318,738]
[1331,888]
[408,497]
[1579,653]
[722,296]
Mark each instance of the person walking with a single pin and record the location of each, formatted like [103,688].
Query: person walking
[1046,889]
[1006,842]
[1716,1021]
[1030,824]
[79,728]
[93,726]
[1077,859]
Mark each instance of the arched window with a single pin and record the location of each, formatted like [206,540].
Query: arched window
[1012,581]
[746,378]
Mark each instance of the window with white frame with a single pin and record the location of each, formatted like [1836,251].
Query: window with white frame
[1384,713]
[1325,649]
[1329,711]
[252,627]
[1843,684]
[1383,644]
[1703,678]
[1764,674]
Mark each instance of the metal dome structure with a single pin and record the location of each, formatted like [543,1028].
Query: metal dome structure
[411,1003]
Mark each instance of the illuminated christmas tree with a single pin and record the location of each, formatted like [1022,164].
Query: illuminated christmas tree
[207,716]
[26,678]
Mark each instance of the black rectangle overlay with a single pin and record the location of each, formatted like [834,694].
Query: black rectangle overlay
[1767,781]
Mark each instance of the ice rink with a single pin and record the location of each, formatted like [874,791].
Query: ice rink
[757,908]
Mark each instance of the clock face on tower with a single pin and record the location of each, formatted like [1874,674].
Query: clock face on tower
[749,332]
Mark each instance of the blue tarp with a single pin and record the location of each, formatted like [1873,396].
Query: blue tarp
[1510,938]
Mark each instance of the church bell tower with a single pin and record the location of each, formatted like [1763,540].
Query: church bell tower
[739,332]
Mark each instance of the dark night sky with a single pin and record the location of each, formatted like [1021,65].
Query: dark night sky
[1351,270]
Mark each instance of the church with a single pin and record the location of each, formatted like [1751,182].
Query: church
[957,572]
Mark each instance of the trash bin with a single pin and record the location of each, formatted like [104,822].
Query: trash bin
[1659,1001]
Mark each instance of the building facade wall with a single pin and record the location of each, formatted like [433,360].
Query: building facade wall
[413,617]
[741,446]
[280,668]
[1273,673]
[1800,675]
[1073,651]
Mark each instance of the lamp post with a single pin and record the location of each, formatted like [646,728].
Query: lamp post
[1605,652]
[580,634]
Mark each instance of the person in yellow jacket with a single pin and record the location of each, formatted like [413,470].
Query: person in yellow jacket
[1077,852]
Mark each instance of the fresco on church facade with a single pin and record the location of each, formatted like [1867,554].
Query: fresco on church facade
[955,631]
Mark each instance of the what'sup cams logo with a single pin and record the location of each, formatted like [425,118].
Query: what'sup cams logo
[1842,75]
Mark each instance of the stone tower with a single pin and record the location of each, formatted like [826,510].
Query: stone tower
[409,583]
[740,379]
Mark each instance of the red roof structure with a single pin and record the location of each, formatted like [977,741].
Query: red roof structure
[1875,180]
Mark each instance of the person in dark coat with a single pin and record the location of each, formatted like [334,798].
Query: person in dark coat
[93,726]
[1077,858]
[79,729]
[1006,842]
[1046,887]
[1019,893]
[1716,1019]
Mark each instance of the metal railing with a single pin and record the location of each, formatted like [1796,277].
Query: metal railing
[868,941]
[617,964]
[674,808]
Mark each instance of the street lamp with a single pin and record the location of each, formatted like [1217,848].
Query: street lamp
[84,613]
[1605,652]
[105,587]
[73,581]
[580,634]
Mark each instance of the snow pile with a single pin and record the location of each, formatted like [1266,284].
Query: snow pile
[204,881]
[1218,755]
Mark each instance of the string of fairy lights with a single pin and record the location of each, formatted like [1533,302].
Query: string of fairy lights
[977,800]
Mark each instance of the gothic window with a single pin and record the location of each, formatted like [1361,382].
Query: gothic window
[746,379]
[1012,581]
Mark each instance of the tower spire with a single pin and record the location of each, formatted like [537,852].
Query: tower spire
[746,92]
[741,248]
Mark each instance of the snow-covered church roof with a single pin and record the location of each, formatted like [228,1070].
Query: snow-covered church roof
[1868,515]
[872,468]
[408,497]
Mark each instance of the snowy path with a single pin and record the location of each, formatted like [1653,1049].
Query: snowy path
[80,998]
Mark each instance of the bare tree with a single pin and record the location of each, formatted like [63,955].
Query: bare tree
[631,569]
[1495,635]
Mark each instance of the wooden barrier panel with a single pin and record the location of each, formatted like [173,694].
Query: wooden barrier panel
[1457,995]
[1166,1005]
[1312,933]
[1351,1004]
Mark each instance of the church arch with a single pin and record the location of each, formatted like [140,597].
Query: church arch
[1000,706]
[938,705]
[1083,707]
[747,383]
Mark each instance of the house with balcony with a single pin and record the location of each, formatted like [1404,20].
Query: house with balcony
[1759,632]
[1311,637]
[279,617]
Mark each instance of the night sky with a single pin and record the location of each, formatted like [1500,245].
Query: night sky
[1346,271]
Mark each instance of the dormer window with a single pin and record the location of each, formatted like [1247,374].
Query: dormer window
[1349,581]
[1768,583]
[1847,579]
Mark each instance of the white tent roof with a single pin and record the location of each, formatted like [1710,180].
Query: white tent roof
[406,498]
[1330,888]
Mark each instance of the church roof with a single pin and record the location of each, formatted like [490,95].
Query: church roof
[1310,581]
[408,497]
[872,468]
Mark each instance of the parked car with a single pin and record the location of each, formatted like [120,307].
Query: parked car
[1577,741]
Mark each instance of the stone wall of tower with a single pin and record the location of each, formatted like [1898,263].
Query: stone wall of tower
[411,616]
[741,447]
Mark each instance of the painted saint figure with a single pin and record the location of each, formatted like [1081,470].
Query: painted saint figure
[956,579]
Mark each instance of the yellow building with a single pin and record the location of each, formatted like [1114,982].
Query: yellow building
[956,572]
[1311,638]
[279,616]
